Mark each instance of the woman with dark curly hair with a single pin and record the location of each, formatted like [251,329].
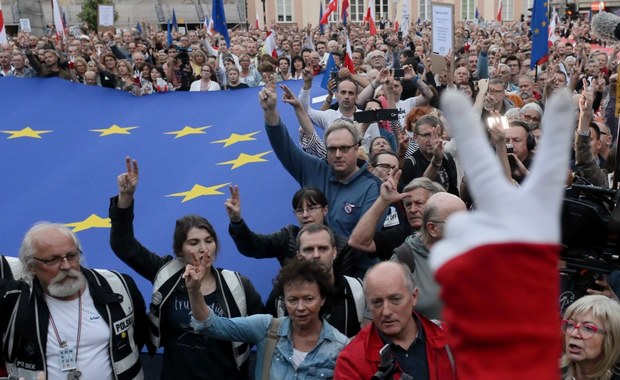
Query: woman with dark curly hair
[306,345]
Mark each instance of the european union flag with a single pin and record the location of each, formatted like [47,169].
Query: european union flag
[540,33]
[321,27]
[139,27]
[329,68]
[175,25]
[190,146]
[219,20]
[169,35]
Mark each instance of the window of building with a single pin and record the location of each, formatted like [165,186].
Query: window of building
[284,10]
[468,10]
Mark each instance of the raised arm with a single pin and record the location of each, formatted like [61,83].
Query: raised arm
[193,275]
[515,231]
[362,237]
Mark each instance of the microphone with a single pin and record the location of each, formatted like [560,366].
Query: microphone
[606,26]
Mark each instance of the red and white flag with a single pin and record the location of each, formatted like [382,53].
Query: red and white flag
[348,57]
[58,24]
[257,22]
[3,39]
[499,11]
[210,28]
[331,8]
[552,36]
[369,17]
[270,44]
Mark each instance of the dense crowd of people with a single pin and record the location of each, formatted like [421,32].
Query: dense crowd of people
[358,293]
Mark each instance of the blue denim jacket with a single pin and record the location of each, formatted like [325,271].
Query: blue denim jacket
[319,364]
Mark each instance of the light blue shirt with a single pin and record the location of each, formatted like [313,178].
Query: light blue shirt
[318,364]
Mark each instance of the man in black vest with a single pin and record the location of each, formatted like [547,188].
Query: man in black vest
[70,321]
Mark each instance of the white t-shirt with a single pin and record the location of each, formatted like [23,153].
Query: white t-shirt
[298,357]
[93,357]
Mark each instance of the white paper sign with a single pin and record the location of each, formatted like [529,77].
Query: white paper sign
[442,28]
[24,25]
[106,15]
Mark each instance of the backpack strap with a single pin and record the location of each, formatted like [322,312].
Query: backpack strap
[270,346]
[14,266]
[357,289]
[233,281]
[236,288]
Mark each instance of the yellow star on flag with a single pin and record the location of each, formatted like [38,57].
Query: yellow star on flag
[187,130]
[536,31]
[114,130]
[543,23]
[198,191]
[235,138]
[26,132]
[244,159]
[93,221]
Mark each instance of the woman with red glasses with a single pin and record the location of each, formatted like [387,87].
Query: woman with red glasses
[591,329]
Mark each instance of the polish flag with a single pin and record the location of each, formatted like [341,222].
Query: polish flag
[499,12]
[3,39]
[333,5]
[348,57]
[552,35]
[257,22]
[210,28]
[369,17]
[345,12]
[270,44]
[58,24]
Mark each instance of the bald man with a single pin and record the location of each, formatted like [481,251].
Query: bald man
[415,345]
[415,250]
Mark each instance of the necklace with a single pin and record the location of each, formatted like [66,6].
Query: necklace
[68,355]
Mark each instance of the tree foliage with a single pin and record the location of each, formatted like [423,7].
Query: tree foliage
[88,15]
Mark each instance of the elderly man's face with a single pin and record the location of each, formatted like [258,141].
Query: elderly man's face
[390,301]
[59,278]
[494,97]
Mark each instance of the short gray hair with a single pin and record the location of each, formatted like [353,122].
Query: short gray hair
[424,183]
[532,106]
[344,124]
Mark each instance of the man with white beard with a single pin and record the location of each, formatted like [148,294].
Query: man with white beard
[62,320]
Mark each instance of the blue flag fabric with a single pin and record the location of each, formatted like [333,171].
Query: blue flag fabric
[189,147]
[175,25]
[329,67]
[219,20]
[540,33]
[139,27]
[477,14]
[321,27]
[169,34]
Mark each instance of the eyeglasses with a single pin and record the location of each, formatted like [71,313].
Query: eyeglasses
[55,261]
[343,149]
[530,118]
[309,210]
[386,166]
[586,330]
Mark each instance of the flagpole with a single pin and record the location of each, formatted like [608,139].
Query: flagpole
[264,15]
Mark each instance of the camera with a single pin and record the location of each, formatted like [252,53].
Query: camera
[590,238]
